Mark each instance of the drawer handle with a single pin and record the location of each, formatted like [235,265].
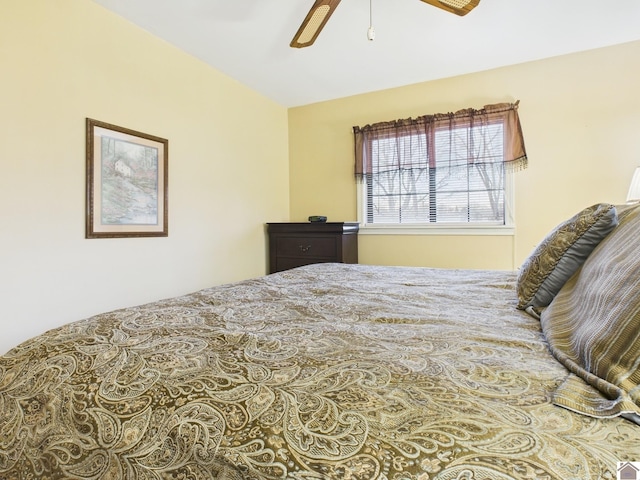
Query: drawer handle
[304,249]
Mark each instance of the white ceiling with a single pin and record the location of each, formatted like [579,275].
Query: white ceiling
[415,42]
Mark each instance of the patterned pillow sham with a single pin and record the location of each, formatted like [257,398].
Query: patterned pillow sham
[560,254]
[593,327]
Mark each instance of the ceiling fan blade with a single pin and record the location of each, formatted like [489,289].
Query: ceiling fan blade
[459,7]
[313,23]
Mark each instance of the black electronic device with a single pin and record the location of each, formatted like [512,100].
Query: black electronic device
[317,219]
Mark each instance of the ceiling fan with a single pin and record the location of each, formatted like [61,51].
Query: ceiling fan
[321,10]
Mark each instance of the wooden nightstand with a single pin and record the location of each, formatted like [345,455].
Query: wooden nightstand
[295,244]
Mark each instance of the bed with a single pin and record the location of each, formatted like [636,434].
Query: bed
[334,371]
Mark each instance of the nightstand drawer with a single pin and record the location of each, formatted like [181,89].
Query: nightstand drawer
[296,244]
[307,246]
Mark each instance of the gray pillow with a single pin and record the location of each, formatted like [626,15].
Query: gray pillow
[560,254]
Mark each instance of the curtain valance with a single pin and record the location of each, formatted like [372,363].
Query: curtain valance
[476,121]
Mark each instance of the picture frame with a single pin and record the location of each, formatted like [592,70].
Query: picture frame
[126,182]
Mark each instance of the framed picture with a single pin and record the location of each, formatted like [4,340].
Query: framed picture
[126,182]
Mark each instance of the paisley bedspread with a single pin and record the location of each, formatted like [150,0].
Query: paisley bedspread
[328,371]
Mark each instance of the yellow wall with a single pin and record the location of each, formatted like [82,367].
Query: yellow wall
[64,60]
[580,115]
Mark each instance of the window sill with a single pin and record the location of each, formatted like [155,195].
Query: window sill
[495,230]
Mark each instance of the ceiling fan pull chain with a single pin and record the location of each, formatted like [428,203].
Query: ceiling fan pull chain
[371,33]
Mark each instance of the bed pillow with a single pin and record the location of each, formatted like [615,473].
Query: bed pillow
[593,327]
[560,254]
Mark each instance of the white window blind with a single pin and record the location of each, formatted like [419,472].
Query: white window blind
[403,188]
[437,173]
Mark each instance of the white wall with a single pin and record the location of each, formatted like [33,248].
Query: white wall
[64,60]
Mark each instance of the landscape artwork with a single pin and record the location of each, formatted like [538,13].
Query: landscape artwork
[129,183]
[126,182]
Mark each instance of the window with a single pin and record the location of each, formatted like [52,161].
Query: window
[444,170]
